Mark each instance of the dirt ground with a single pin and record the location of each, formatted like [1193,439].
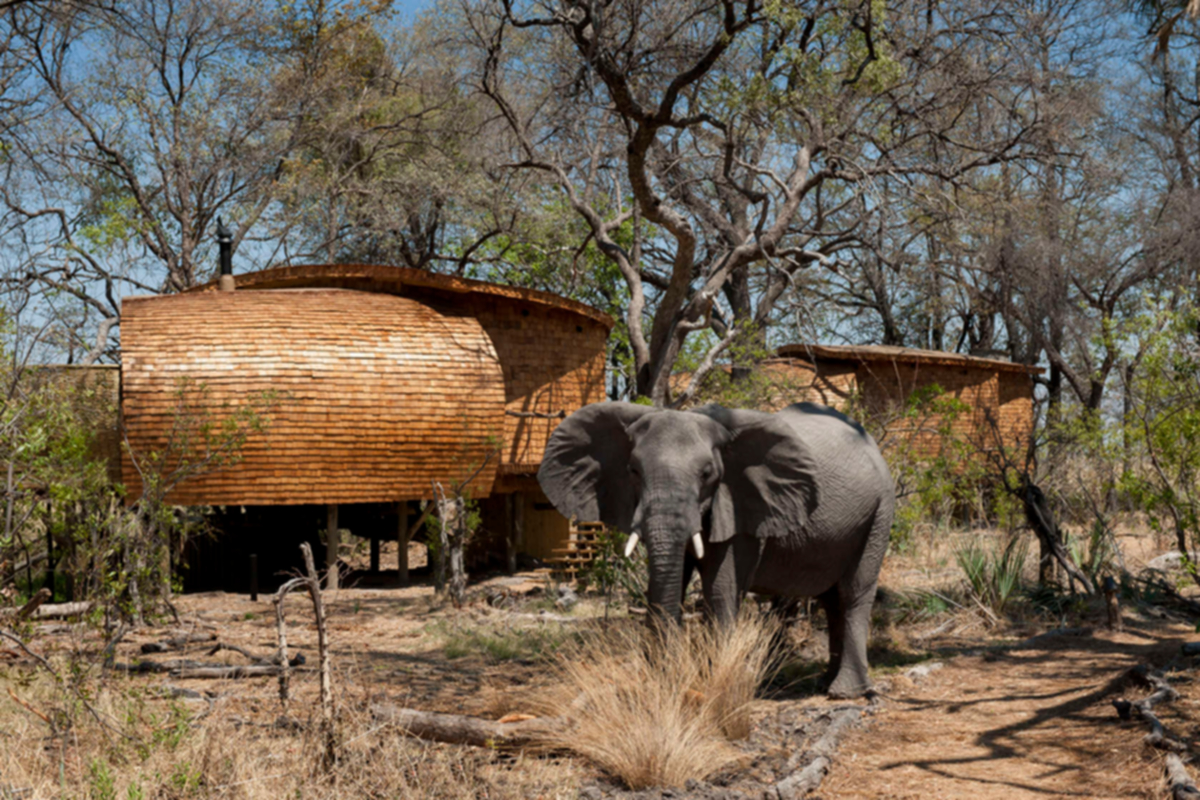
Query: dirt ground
[988,713]
[1029,722]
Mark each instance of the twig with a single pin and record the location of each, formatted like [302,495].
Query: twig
[29,708]
[106,726]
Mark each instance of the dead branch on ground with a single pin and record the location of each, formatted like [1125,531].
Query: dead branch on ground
[42,610]
[458,729]
[1178,780]
[1144,708]
[808,768]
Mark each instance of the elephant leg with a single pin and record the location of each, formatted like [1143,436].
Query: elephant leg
[852,679]
[835,619]
[856,595]
[726,573]
[718,577]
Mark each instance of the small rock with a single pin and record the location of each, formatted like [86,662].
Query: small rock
[566,598]
[500,598]
[923,670]
[590,793]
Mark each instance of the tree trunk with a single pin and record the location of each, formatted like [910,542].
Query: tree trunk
[514,506]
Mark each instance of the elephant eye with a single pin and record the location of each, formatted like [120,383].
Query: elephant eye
[707,472]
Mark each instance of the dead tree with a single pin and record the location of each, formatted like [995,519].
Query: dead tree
[1038,514]
[456,525]
[312,583]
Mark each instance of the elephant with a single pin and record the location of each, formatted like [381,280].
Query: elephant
[793,504]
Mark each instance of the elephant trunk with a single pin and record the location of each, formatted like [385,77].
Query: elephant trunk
[665,591]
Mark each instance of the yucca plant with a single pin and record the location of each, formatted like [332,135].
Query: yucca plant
[994,575]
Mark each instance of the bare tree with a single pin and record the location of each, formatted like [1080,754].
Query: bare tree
[742,142]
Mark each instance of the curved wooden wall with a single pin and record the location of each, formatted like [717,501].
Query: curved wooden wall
[551,349]
[383,393]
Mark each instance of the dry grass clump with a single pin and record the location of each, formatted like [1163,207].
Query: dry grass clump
[660,709]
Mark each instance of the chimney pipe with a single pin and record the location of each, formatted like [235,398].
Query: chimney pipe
[225,244]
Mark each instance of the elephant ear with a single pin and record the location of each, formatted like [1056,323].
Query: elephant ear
[585,467]
[769,486]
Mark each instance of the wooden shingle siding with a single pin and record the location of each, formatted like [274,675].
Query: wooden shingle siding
[391,378]
[380,393]
[553,361]
[998,395]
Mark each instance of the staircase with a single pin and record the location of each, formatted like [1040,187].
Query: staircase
[570,561]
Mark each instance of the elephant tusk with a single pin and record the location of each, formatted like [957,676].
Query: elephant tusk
[629,545]
[698,545]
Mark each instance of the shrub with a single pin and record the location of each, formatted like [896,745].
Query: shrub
[994,575]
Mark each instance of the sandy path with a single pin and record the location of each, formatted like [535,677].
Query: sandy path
[1028,723]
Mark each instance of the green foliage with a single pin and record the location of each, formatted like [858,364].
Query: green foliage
[936,470]
[1160,439]
[1095,553]
[744,378]
[611,572]
[103,787]
[994,575]
[115,553]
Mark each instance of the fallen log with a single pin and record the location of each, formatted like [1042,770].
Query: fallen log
[142,667]
[257,660]
[178,642]
[457,729]
[1046,636]
[1144,708]
[222,672]
[61,610]
[809,767]
[1178,780]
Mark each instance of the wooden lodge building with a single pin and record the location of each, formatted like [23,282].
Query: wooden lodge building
[387,380]
[878,380]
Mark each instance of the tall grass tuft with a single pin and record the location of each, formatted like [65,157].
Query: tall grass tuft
[660,709]
[993,574]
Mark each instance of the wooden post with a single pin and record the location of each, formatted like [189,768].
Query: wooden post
[332,542]
[515,525]
[253,577]
[510,528]
[402,534]
[374,554]
[1112,603]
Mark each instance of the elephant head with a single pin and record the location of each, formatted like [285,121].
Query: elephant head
[679,478]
